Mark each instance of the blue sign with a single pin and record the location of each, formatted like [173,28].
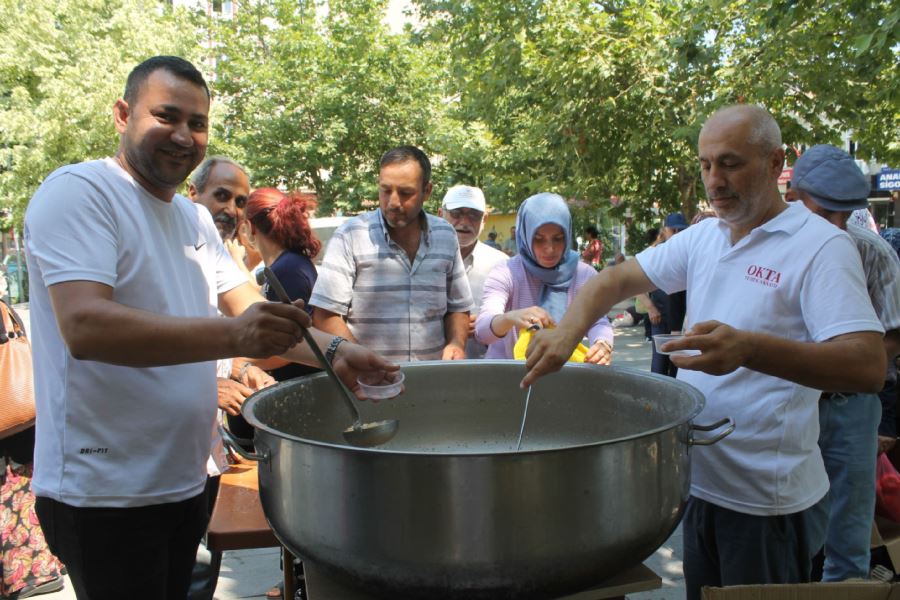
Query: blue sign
[889,180]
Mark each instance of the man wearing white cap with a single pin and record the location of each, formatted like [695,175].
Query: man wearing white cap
[464,208]
[827,180]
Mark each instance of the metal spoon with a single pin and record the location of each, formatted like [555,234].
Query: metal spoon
[534,327]
[361,434]
[524,414]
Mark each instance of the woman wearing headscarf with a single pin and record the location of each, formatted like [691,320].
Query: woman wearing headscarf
[536,286]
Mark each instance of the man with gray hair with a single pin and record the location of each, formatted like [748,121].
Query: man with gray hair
[222,186]
[828,182]
[465,209]
[778,310]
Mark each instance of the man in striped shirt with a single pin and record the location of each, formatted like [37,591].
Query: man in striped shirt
[393,279]
[827,180]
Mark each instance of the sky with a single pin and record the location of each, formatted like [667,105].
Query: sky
[395,16]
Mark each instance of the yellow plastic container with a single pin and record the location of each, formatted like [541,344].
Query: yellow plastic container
[525,339]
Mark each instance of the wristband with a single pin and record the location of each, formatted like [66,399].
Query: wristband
[332,348]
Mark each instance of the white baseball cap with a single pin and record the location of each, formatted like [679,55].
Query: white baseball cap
[464,196]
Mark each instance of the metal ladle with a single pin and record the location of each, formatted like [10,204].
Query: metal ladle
[534,327]
[360,434]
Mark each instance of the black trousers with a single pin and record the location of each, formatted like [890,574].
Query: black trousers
[723,547]
[140,553]
[205,574]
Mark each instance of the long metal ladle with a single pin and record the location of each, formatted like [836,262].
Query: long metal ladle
[361,434]
[534,327]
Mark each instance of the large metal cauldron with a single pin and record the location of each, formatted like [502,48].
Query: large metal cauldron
[448,509]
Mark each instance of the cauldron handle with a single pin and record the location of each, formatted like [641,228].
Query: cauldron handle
[709,442]
[233,443]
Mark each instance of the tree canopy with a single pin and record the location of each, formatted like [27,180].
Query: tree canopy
[63,63]
[589,99]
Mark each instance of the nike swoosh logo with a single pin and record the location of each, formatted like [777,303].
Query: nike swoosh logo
[200,245]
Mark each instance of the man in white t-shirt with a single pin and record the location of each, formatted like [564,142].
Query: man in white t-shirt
[465,209]
[778,309]
[126,276]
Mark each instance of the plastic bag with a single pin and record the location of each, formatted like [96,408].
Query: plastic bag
[525,338]
[887,489]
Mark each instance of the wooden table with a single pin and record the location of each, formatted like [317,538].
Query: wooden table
[238,522]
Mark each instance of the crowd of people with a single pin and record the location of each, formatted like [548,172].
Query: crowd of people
[150,329]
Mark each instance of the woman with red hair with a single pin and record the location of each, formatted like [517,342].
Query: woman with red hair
[278,227]
[279,230]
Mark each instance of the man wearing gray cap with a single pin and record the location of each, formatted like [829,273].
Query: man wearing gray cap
[827,180]
[465,209]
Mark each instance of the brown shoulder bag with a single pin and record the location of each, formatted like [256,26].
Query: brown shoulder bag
[16,379]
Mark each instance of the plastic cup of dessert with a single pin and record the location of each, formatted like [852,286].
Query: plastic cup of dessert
[661,338]
[381,386]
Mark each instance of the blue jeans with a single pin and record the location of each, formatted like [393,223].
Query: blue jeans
[848,439]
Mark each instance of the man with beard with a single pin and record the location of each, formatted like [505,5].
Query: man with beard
[222,186]
[778,309]
[125,276]
[465,209]
[393,278]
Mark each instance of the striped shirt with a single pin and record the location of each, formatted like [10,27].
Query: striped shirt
[393,307]
[882,270]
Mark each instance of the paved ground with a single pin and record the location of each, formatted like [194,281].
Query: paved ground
[249,573]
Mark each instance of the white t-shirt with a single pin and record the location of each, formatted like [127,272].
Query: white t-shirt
[796,277]
[478,266]
[109,435]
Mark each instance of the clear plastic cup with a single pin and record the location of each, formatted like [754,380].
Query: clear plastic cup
[381,387]
[661,338]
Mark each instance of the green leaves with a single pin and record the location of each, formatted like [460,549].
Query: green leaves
[585,98]
[62,65]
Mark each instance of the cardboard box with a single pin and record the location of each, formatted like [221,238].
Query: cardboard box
[861,590]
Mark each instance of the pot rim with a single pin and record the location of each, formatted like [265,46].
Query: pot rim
[700,401]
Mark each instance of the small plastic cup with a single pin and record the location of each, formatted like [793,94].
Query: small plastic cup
[381,387]
[661,338]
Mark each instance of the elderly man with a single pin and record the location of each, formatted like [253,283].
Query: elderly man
[395,274]
[222,186]
[125,278]
[465,209]
[828,182]
[778,309]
